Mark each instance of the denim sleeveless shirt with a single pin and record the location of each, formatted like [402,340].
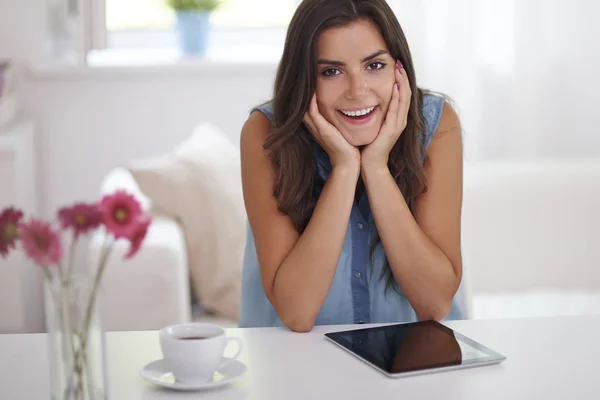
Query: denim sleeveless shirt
[358,293]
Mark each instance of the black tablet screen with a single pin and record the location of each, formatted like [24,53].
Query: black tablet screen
[413,346]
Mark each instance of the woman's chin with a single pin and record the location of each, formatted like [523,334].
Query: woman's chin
[361,140]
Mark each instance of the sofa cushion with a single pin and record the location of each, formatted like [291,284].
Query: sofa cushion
[199,184]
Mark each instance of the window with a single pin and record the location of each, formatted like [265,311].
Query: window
[128,15]
[136,29]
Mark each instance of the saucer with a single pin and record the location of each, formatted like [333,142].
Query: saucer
[158,373]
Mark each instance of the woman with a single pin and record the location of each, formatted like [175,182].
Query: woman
[352,180]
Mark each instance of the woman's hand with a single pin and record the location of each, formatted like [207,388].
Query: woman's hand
[341,153]
[376,154]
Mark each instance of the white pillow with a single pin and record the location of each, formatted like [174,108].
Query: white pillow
[199,184]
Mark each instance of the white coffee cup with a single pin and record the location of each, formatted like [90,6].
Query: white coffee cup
[194,351]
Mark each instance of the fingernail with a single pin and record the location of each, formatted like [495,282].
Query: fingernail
[400,66]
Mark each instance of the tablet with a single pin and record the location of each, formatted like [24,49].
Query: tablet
[415,348]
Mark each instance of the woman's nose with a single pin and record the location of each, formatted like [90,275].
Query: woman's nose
[358,87]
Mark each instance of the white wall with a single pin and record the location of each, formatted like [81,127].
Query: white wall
[22,29]
[91,124]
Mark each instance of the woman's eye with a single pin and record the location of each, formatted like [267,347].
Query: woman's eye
[376,65]
[330,72]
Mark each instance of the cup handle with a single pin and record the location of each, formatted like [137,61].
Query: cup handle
[240,346]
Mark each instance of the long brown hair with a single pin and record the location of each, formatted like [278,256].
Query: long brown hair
[290,144]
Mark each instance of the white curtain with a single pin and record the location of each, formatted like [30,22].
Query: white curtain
[524,73]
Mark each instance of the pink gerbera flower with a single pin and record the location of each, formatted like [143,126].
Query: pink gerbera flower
[9,229]
[81,217]
[40,242]
[121,212]
[138,236]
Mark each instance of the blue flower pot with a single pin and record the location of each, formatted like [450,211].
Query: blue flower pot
[192,31]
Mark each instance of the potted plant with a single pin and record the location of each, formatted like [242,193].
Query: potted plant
[193,23]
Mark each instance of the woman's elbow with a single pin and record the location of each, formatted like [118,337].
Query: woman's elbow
[300,324]
[295,315]
[436,312]
[301,327]
[297,319]
[442,312]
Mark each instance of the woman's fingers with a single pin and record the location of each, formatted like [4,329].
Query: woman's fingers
[320,123]
[404,97]
[393,109]
[309,124]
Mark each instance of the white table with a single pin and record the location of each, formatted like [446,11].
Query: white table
[547,358]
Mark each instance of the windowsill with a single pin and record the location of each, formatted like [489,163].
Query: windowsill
[228,51]
[173,57]
[143,62]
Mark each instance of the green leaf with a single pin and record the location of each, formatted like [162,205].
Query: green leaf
[194,5]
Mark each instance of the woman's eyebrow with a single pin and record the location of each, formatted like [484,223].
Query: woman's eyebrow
[341,64]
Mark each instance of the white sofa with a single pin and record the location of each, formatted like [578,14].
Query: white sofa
[530,239]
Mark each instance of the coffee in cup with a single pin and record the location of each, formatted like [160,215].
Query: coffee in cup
[194,351]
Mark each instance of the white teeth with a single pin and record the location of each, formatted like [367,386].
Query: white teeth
[358,113]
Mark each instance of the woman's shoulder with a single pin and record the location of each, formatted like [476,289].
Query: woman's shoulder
[435,110]
[265,108]
[259,123]
[255,130]
[443,130]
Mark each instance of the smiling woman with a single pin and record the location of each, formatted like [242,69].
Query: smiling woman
[352,180]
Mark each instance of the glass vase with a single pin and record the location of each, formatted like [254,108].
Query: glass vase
[76,340]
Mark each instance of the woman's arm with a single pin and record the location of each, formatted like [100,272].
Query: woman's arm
[297,270]
[424,250]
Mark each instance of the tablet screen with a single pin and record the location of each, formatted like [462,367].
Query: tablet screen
[414,346]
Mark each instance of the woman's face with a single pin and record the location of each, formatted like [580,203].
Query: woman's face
[355,77]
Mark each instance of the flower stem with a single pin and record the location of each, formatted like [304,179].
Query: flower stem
[57,300]
[65,326]
[76,380]
[83,334]
[91,303]
[71,258]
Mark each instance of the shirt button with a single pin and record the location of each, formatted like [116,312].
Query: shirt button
[360,226]
[357,274]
